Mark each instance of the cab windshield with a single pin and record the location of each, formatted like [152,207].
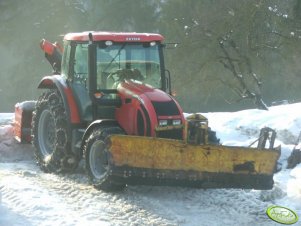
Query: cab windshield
[117,62]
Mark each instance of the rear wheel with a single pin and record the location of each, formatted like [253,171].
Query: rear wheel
[97,160]
[50,134]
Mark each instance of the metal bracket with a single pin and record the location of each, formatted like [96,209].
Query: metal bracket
[266,133]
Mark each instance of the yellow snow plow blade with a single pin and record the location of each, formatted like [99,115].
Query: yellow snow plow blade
[147,160]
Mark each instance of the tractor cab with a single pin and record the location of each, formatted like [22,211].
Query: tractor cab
[96,63]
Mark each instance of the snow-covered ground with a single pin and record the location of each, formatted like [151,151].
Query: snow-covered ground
[30,197]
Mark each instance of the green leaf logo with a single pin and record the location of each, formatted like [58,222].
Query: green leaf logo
[282,215]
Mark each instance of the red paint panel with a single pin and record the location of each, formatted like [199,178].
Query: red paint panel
[47,46]
[22,124]
[126,115]
[46,82]
[74,115]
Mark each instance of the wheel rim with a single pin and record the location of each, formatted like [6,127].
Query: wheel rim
[46,135]
[98,159]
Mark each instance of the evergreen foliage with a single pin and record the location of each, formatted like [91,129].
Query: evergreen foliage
[230,54]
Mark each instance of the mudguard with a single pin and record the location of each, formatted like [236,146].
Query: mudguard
[96,124]
[57,81]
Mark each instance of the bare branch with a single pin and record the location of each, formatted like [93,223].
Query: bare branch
[228,62]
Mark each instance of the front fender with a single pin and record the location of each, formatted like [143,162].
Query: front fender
[97,124]
[58,82]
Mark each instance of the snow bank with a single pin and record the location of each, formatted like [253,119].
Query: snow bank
[242,125]
[6,132]
[6,118]
[26,105]
[10,150]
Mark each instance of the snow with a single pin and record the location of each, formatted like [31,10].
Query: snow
[26,105]
[30,197]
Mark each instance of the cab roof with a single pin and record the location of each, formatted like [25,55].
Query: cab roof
[114,36]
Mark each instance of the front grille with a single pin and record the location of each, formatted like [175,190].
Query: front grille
[166,108]
[171,134]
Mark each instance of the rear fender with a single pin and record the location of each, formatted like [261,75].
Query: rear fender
[97,124]
[58,82]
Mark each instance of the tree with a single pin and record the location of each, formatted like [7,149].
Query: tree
[259,37]
[240,45]
[123,15]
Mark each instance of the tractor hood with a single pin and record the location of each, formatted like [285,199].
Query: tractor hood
[137,88]
[146,106]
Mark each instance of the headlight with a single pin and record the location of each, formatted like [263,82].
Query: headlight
[162,122]
[176,122]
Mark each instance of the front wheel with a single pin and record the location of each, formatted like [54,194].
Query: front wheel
[97,160]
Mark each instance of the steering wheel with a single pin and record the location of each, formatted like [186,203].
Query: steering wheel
[114,76]
[124,74]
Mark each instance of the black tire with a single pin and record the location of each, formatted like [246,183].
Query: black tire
[212,138]
[97,161]
[50,135]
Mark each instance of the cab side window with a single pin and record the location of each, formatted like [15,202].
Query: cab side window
[81,63]
[66,58]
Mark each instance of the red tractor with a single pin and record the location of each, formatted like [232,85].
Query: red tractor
[109,102]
